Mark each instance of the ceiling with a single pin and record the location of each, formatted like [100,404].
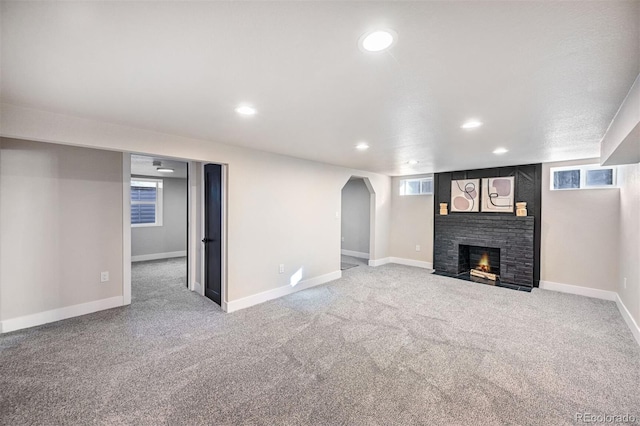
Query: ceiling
[143,166]
[546,78]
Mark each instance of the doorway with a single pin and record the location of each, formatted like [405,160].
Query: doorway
[212,241]
[357,213]
[159,199]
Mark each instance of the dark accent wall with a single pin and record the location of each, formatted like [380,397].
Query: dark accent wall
[528,188]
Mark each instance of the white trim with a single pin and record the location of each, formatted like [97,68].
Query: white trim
[156,256]
[352,253]
[379,262]
[411,262]
[255,299]
[53,315]
[203,278]
[126,228]
[626,315]
[580,291]
[223,252]
[197,288]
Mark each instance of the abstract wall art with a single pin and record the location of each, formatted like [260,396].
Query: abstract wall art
[465,195]
[497,194]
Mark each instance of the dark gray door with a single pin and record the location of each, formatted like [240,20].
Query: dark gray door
[213,232]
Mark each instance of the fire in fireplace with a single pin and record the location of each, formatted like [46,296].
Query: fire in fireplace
[480,262]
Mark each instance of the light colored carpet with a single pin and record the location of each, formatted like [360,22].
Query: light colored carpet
[387,345]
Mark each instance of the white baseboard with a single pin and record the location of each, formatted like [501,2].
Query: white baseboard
[580,291]
[411,262]
[197,288]
[352,253]
[633,325]
[379,262]
[53,315]
[255,299]
[157,256]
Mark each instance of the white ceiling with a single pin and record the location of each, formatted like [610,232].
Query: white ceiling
[143,166]
[546,78]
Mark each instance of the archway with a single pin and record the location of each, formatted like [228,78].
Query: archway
[357,222]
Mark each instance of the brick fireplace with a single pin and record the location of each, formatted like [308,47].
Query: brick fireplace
[511,243]
[507,240]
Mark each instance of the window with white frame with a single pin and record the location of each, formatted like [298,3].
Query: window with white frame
[416,186]
[582,177]
[146,202]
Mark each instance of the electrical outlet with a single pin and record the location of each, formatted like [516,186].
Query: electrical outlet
[104,276]
[282,268]
[624,285]
[342,239]
[417,247]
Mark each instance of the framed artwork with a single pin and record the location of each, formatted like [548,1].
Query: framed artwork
[465,195]
[497,194]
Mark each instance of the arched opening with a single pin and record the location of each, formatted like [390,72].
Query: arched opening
[357,222]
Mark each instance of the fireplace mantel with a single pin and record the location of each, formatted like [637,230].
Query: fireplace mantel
[513,235]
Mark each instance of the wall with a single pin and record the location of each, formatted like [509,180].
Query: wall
[411,224]
[171,237]
[280,209]
[629,237]
[61,211]
[580,231]
[356,212]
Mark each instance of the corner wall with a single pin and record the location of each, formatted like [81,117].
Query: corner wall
[61,211]
[580,231]
[629,237]
[411,224]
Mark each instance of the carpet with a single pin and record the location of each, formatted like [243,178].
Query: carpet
[392,345]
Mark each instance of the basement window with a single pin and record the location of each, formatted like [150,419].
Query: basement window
[582,177]
[420,186]
[146,202]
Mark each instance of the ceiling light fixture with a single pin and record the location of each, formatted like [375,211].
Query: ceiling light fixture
[412,162]
[377,41]
[246,110]
[499,151]
[471,124]
[165,170]
[362,146]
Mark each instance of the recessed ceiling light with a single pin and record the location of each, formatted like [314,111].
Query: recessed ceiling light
[499,151]
[362,146]
[165,170]
[377,41]
[412,162]
[246,110]
[472,124]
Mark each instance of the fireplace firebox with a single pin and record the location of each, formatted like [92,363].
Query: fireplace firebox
[481,262]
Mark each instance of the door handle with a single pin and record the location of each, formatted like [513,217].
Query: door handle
[208,240]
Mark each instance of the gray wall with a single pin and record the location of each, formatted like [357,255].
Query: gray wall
[355,216]
[579,234]
[172,235]
[411,224]
[61,210]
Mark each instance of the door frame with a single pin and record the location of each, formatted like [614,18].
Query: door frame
[223,253]
[195,225]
